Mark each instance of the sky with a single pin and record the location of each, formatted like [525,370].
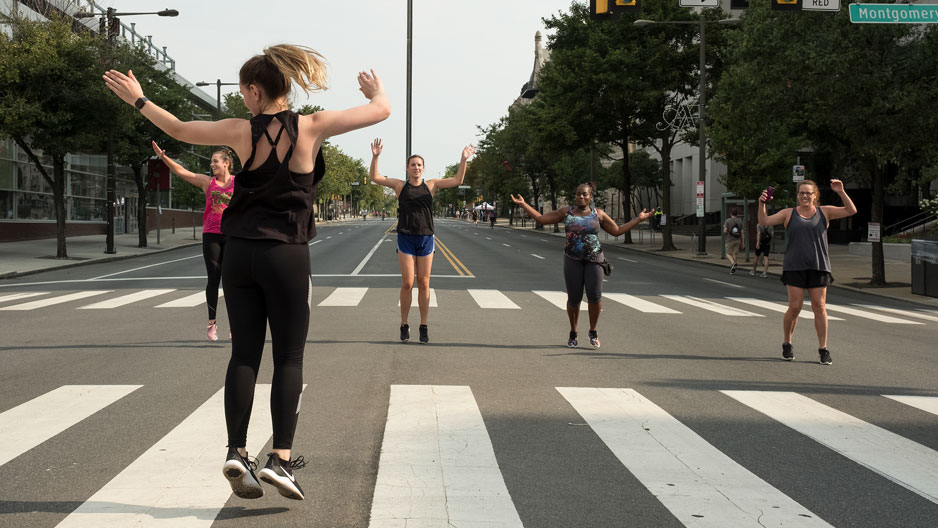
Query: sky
[470,59]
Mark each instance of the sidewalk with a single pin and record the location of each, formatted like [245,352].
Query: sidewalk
[851,272]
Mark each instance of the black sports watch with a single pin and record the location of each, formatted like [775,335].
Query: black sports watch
[140,102]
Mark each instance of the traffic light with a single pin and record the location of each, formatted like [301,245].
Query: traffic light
[604,9]
[739,4]
[786,5]
[599,9]
[625,6]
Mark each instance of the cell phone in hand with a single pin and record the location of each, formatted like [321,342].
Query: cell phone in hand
[768,193]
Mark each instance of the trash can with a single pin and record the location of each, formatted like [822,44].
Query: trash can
[925,267]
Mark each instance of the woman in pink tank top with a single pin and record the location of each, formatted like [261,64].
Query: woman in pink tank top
[218,190]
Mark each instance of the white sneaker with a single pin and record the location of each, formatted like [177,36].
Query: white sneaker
[764,275]
[752,272]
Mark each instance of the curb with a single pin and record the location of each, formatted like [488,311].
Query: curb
[15,274]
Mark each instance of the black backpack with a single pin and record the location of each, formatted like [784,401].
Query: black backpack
[734,231]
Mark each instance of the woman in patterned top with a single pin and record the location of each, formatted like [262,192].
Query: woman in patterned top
[217,189]
[583,253]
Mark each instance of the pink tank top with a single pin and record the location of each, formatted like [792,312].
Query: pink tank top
[216,200]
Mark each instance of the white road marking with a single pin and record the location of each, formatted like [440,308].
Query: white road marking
[190,300]
[125,299]
[907,313]
[870,315]
[627,260]
[178,482]
[365,260]
[806,312]
[492,299]
[711,306]
[699,484]
[924,403]
[558,299]
[506,245]
[537,256]
[314,242]
[32,305]
[639,304]
[15,296]
[32,423]
[724,283]
[437,465]
[344,297]
[896,458]
[413,298]
[144,267]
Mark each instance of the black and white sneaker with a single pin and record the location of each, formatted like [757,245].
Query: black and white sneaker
[733,269]
[825,356]
[788,352]
[405,333]
[594,338]
[571,342]
[239,471]
[279,474]
[424,334]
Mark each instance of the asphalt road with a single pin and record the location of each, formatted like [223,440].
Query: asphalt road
[702,423]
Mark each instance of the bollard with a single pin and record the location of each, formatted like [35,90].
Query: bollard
[174,224]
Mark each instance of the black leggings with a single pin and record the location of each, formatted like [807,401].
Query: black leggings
[213,250]
[266,283]
[580,273]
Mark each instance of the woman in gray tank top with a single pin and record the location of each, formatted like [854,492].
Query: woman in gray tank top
[807,265]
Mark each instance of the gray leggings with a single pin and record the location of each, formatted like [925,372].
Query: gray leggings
[580,273]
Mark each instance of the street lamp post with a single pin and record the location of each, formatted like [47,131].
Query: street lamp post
[218,84]
[701,118]
[110,27]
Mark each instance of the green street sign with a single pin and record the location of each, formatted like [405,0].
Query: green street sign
[893,14]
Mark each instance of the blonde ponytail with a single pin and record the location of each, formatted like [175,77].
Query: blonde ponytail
[280,66]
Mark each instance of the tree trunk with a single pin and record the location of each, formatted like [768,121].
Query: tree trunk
[141,207]
[876,215]
[58,195]
[626,186]
[667,242]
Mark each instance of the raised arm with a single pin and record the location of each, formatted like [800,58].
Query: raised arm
[199,180]
[449,183]
[766,220]
[833,212]
[553,217]
[392,183]
[225,132]
[330,123]
[609,225]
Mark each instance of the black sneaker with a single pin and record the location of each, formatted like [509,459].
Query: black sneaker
[239,471]
[825,356]
[424,334]
[571,343]
[279,474]
[788,352]
[405,333]
[594,338]
[733,269]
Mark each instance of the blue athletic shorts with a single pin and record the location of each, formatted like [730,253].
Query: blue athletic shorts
[416,245]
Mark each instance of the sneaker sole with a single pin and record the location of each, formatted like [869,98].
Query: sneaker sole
[789,358]
[284,486]
[596,344]
[240,481]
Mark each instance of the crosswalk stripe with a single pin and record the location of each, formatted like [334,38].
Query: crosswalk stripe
[924,403]
[699,484]
[711,306]
[492,299]
[558,299]
[414,301]
[639,304]
[907,313]
[42,303]
[344,297]
[178,482]
[125,299]
[32,423]
[15,296]
[870,315]
[900,460]
[437,464]
[189,300]
[806,312]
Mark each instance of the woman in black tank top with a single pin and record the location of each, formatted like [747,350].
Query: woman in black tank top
[268,223]
[806,265]
[415,244]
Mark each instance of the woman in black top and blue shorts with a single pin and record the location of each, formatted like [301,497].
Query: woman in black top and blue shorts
[415,229]
[268,221]
[807,265]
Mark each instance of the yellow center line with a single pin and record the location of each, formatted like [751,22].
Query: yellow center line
[453,260]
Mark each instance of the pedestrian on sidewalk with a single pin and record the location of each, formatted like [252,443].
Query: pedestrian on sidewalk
[492,219]
[415,243]
[764,236]
[269,221]
[807,265]
[733,230]
[584,263]
[217,189]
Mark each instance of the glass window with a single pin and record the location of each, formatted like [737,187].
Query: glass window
[87,209]
[87,185]
[34,206]
[7,173]
[6,204]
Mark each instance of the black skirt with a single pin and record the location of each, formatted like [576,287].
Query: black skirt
[807,278]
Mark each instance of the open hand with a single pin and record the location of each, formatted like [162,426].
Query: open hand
[645,215]
[837,186]
[369,84]
[518,200]
[376,147]
[468,152]
[125,86]
[159,152]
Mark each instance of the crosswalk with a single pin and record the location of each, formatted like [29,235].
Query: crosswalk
[484,299]
[438,466]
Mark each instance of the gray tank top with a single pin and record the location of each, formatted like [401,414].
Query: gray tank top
[807,243]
